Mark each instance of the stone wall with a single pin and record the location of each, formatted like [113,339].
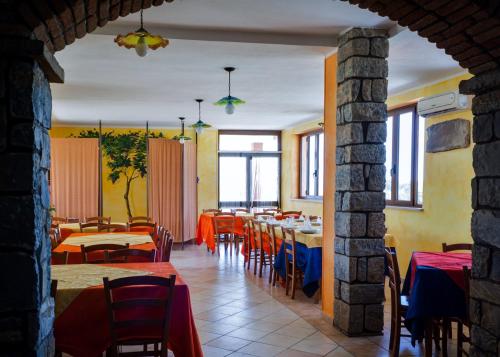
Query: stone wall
[26,309]
[485,226]
[360,181]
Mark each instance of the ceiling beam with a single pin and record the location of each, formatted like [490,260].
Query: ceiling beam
[189,33]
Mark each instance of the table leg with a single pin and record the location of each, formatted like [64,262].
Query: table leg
[428,338]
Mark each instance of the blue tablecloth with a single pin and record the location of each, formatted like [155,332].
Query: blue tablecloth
[433,295]
[309,260]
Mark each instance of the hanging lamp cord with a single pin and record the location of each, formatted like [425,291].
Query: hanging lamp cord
[142,24]
[199,110]
[229,83]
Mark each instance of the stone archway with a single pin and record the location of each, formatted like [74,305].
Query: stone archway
[31,31]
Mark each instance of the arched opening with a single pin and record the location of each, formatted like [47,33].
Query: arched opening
[467,30]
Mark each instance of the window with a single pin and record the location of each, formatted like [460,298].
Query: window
[249,168]
[312,164]
[405,157]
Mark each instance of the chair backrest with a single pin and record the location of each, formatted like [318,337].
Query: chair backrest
[313,218]
[113,227]
[394,281]
[59,220]
[55,237]
[60,258]
[165,244]
[224,224]
[83,226]
[122,255]
[263,214]
[140,219]
[159,234]
[291,213]
[271,231]
[73,220]
[156,312]
[211,210]
[224,214]
[244,210]
[456,246]
[99,247]
[467,276]
[98,219]
[272,210]
[289,242]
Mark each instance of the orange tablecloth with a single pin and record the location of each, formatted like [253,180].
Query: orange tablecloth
[205,231]
[75,256]
[82,329]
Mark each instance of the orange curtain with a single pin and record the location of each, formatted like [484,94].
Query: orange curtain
[165,184]
[74,177]
[190,196]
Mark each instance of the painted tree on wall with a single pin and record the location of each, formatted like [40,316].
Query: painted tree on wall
[126,156]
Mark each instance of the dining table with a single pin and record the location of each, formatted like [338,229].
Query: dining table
[67,229]
[81,325]
[205,230]
[434,285]
[135,240]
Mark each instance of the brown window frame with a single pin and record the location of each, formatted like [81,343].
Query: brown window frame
[309,134]
[394,170]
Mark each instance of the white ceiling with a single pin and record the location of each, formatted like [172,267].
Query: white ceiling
[282,84]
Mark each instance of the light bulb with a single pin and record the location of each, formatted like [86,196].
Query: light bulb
[181,140]
[142,47]
[199,130]
[230,108]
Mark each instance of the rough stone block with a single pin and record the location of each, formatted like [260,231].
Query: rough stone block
[3,81]
[362,67]
[14,168]
[24,278]
[485,290]
[338,201]
[366,90]
[348,91]
[354,47]
[348,134]
[475,311]
[362,112]
[376,225]
[21,135]
[495,266]
[363,201]
[482,128]
[379,47]
[349,178]
[485,227]
[362,270]
[339,245]
[362,293]
[480,83]
[350,224]
[376,269]
[345,267]
[485,159]
[356,247]
[42,98]
[481,337]
[379,90]
[490,318]
[376,133]
[15,235]
[21,90]
[376,177]
[448,135]
[365,153]
[486,103]
[481,257]
[496,125]
[340,155]
[336,288]
[11,330]
[359,32]
[374,317]
[3,128]
[489,192]
[348,318]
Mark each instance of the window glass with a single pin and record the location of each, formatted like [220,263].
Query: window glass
[254,143]
[303,166]
[388,163]
[232,179]
[405,156]
[265,182]
[312,165]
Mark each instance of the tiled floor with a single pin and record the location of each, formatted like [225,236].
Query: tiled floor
[238,314]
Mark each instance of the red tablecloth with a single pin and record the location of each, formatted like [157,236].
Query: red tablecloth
[75,255]
[451,263]
[205,231]
[82,329]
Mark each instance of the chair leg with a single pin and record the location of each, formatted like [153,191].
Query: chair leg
[460,341]
[393,329]
[435,335]
[397,337]
[271,270]
[255,256]
[261,262]
[444,338]
[294,282]
[428,339]
[231,241]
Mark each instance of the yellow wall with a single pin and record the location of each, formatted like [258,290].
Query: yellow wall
[290,171]
[113,201]
[208,196]
[447,190]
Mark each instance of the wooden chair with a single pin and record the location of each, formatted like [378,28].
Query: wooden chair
[224,230]
[165,248]
[55,237]
[263,215]
[149,227]
[273,211]
[73,220]
[121,255]
[140,219]
[98,219]
[293,273]
[271,232]
[112,227]
[222,213]
[84,226]
[399,303]
[150,318]
[159,233]
[59,220]
[294,214]
[243,210]
[99,247]
[250,253]
[60,258]
[211,210]
[457,246]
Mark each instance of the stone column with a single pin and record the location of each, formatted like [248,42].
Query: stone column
[485,225]
[360,181]
[26,309]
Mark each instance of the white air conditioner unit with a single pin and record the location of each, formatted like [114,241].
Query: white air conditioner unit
[442,103]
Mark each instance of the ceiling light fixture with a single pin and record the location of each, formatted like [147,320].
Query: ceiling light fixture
[230,102]
[200,125]
[141,40]
[181,138]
